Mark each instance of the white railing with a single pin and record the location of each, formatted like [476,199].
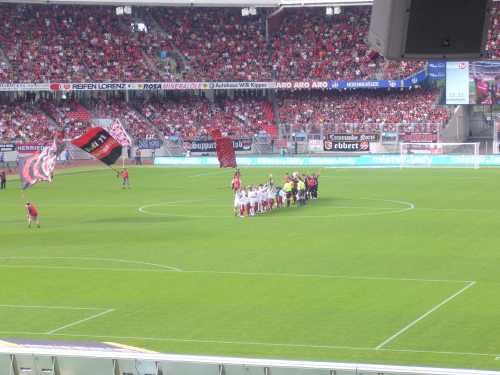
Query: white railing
[123,360]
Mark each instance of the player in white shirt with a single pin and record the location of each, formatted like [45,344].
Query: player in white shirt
[252,197]
[243,203]
[261,199]
[270,197]
[282,194]
[237,200]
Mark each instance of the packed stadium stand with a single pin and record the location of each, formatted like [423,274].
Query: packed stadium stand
[219,44]
[493,46]
[41,43]
[70,116]
[22,121]
[192,117]
[366,110]
[310,45]
[71,43]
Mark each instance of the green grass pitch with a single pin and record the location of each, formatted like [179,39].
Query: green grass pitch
[388,266]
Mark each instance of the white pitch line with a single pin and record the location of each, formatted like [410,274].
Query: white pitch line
[404,329]
[382,211]
[73,268]
[444,209]
[237,273]
[51,307]
[162,266]
[80,321]
[325,276]
[213,173]
[251,343]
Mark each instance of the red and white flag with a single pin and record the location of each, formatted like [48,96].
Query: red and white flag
[39,167]
[117,131]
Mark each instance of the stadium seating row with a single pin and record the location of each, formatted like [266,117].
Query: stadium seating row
[40,43]
[21,121]
[191,117]
[308,112]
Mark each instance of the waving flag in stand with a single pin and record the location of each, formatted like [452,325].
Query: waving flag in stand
[225,150]
[119,133]
[39,167]
[100,144]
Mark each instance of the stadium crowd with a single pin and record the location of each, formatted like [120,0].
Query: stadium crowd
[23,122]
[359,111]
[70,116]
[71,44]
[493,46]
[40,43]
[219,44]
[313,46]
[115,108]
[193,117]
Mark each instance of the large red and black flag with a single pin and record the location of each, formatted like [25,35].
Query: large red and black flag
[39,167]
[225,150]
[99,143]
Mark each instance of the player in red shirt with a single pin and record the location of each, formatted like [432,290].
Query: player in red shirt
[32,214]
[235,184]
[124,175]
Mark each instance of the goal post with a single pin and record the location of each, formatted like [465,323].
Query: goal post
[444,155]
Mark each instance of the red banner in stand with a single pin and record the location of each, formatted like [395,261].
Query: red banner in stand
[225,150]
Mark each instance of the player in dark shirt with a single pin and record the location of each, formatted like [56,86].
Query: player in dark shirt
[3,180]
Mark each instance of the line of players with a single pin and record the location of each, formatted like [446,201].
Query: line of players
[258,199]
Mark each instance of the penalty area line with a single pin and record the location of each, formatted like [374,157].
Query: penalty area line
[80,321]
[40,307]
[423,316]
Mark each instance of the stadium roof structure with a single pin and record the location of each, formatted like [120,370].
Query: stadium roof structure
[204,3]
[207,3]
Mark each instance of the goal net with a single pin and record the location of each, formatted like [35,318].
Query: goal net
[447,155]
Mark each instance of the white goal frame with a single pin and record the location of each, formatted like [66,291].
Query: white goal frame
[427,160]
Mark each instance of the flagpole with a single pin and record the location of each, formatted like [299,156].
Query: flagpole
[113,169]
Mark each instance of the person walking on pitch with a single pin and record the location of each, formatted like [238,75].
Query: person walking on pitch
[32,214]
[3,180]
[124,176]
